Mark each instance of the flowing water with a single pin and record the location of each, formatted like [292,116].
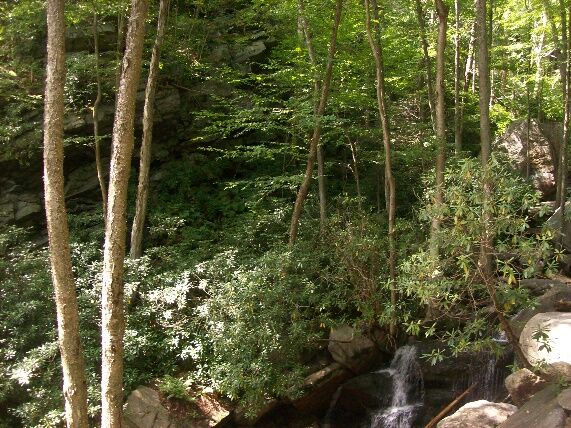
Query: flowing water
[407,392]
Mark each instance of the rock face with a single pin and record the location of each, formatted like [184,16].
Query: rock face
[351,349]
[522,385]
[542,411]
[144,409]
[556,326]
[478,414]
[538,155]
[556,293]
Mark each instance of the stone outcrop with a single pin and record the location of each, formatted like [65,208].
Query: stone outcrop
[539,155]
[145,409]
[555,293]
[351,349]
[541,411]
[522,385]
[478,414]
[556,346]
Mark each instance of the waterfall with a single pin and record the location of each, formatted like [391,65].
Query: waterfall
[407,392]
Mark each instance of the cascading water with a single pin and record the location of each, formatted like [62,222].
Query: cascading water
[407,392]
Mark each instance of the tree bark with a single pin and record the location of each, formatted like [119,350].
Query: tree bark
[96,104]
[563,166]
[458,108]
[73,366]
[148,116]
[112,305]
[442,11]
[426,60]
[486,246]
[390,189]
[308,38]
[304,188]
[469,72]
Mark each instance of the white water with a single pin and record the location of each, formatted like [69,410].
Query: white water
[406,392]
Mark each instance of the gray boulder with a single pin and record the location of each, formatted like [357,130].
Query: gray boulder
[144,410]
[351,349]
[556,292]
[556,347]
[541,411]
[478,414]
[538,156]
[522,385]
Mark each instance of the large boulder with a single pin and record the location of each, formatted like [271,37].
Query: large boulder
[554,344]
[556,294]
[522,385]
[145,410]
[537,154]
[478,414]
[351,349]
[541,411]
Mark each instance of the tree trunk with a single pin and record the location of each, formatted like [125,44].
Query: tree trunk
[442,11]
[427,67]
[469,72]
[563,167]
[458,108]
[148,115]
[96,104]
[485,263]
[73,366]
[112,311]
[308,38]
[304,188]
[390,190]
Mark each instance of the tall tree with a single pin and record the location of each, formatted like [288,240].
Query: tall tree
[458,113]
[562,169]
[112,306]
[96,104]
[442,12]
[74,382]
[486,240]
[325,89]
[373,34]
[308,38]
[426,60]
[136,249]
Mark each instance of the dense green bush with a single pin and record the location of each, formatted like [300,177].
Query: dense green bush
[451,286]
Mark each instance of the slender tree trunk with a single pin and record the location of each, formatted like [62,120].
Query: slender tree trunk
[148,116]
[458,110]
[442,11]
[112,305]
[563,166]
[538,86]
[485,131]
[485,263]
[353,148]
[96,104]
[304,188]
[427,67]
[469,72]
[73,366]
[308,38]
[121,30]
[373,34]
